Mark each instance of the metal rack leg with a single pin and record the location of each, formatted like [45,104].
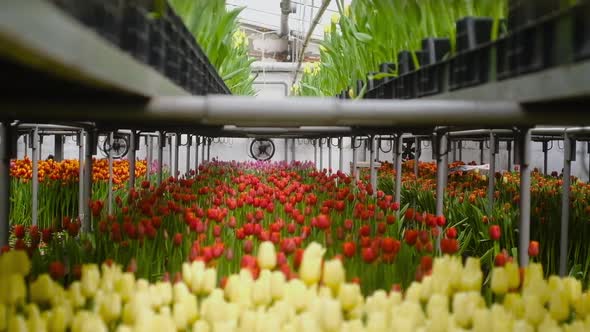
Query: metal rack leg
[372,172]
[293,149]
[176,150]
[315,153]
[569,152]
[35,179]
[189,140]
[354,158]
[132,153]
[441,171]
[481,153]
[418,147]
[161,142]
[398,170]
[330,155]
[80,143]
[89,149]
[525,197]
[545,152]
[209,140]
[150,155]
[286,150]
[170,159]
[5,146]
[203,149]
[509,149]
[340,155]
[321,156]
[492,173]
[110,191]
[58,143]
[196,154]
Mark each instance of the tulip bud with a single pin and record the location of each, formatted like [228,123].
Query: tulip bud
[125,286]
[17,324]
[573,289]
[267,257]
[559,306]
[42,289]
[522,326]
[311,265]
[482,321]
[331,317]
[514,303]
[58,320]
[355,325]
[209,281]
[4,316]
[333,274]
[499,281]
[15,262]
[437,304]
[295,294]
[534,310]
[471,278]
[377,322]
[349,296]
[261,292]
[13,289]
[180,316]
[201,326]
[277,285]
[513,275]
[90,279]
[110,307]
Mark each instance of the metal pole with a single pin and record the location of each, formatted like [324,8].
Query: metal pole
[286,150]
[150,155]
[340,155]
[372,175]
[110,192]
[35,179]
[203,149]
[481,152]
[330,154]
[58,143]
[26,140]
[170,160]
[132,153]
[197,153]
[509,149]
[460,150]
[292,149]
[492,174]
[418,149]
[441,155]
[398,170]
[315,153]
[80,143]
[454,146]
[569,152]
[378,150]
[209,140]
[40,147]
[189,140]
[525,197]
[177,138]
[5,147]
[89,150]
[321,155]
[354,158]
[545,152]
[161,142]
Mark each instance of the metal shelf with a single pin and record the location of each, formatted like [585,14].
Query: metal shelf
[38,35]
[566,82]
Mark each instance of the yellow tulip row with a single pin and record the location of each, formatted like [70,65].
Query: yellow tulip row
[320,300]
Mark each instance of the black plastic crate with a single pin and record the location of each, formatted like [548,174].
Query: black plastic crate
[472,32]
[470,66]
[581,30]
[157,45]
[136,32]
[430,76]
[172,47]
[434,50]
[524,12]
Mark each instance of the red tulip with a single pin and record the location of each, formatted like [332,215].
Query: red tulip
[390,219]
[323,222]
[534,249]
[365,230]
[495,232]
[349,249]
[298,257]
[19,231]
[57,270]
[426,263]
[177,240]
[369,255]
[449,246]
[410,236]
[500,259]
[451,233]
[248,246]
[381,228]
[388,245]
[441,221]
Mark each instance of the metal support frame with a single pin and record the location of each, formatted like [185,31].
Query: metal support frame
[399,141]
[197,138]
[492,172]
[569,154]
[372,171]
[177,138]
[170,156]
[161,144]
[88,151]
[330,154]
[440,153]
[58,147]
[354,157]
[509,149]
[80,142]
[286,141]
[131,157]
[293,149]
[150,155]
[315,153]
[209,140]
[460,143]
[340,154]
[203,149]
[321,155]
[5,147]
[110,190]
[378,150]
[545,156]
[418,152]
[189,142]
[524,226]
[35,178]
[481,145]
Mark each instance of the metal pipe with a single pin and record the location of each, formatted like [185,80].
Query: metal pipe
[110,192]
[481,152]
[491,174]
[5,147]
[90,140]
[545,152]
[197,154]
[283,83]
[418,149]
[340,154]
[509,149]
[378,150]
[170,159]
[372,175]
[525,197]
[354,158]
[150,155]
[321,155]
[209,140]
[35,177]
[442,163]
[189,141]
[286,150]
[132,153]
[203,149]
[330,154]
[58,143]
[26,141]
[398,171]
[285,11]
[460,150]
[161,141]
[177,138]
[315,153]
[292,149]
[568,151]
[80,142]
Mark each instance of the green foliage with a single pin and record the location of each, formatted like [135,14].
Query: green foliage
[371,32]
[217,32]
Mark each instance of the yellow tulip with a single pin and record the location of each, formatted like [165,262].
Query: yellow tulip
[267,257]
[15,262]
[90,279]
[559,306]
[349,296]
[125,286]
[17,324]
[334,274]
[201,326]
[482,321]
[522,326]
[13,289]
[534,310]
[110,307]
[311,264]
[515,304]
[59,320]
[75,295]
[277,285]
[3,316]
[335,18]
[499,281]
[437,304]
[377,322]
[209,281]
[501,320]
[261,291]
[42,290]
[471,278]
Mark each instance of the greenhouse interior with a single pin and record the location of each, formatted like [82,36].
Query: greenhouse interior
[295,165]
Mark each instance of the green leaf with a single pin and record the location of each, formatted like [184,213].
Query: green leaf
[363,37]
